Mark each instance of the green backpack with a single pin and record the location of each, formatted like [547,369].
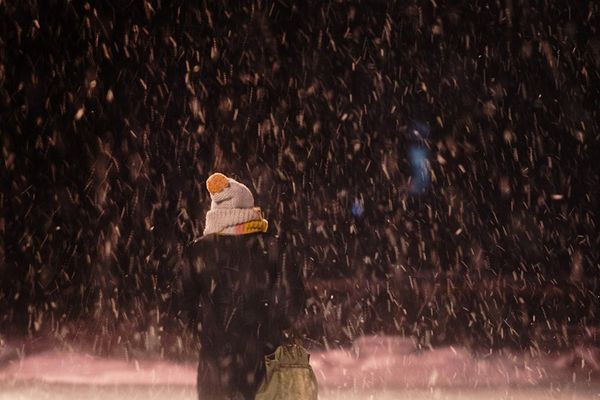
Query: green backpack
[288,376]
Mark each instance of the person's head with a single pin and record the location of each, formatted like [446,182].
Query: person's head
[232,210]
[228,193]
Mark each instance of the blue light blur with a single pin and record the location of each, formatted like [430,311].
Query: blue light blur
[358,208]
[420,170]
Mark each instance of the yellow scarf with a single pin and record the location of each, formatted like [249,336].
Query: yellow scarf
[254,226]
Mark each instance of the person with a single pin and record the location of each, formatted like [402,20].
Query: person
[246,288]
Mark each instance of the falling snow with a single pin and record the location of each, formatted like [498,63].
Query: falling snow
[435,165]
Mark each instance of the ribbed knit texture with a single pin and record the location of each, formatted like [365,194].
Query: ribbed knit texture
[232,210]
[221,218]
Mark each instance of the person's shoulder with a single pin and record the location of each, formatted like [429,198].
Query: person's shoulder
[213,237]
[199,245]
[262,242]
[254,246]
[215,240]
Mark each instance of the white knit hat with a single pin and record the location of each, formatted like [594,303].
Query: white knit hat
[232,210]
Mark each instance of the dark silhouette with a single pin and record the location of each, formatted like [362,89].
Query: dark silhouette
[244,291]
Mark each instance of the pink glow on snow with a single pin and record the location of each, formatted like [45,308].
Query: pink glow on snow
[77,368]
[392,363]
[371,363]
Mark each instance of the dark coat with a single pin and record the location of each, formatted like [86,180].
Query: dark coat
[244,292]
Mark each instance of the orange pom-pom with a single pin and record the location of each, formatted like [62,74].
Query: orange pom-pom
[216,182]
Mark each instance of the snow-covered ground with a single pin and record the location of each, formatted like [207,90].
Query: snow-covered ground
[382,368]
[45,391]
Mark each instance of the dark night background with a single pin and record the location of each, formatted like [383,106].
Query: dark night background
[436,162]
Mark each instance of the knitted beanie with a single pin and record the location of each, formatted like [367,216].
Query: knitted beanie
[232,210]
